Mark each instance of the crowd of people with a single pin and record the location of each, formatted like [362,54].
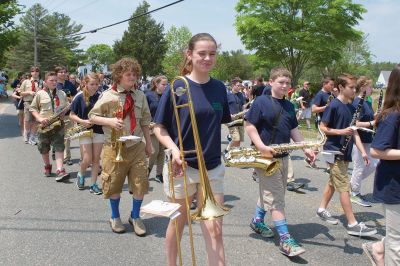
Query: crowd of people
[268,112]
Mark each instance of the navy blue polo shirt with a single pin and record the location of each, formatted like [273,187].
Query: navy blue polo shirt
[236,102]
[68,88]
[262,115]
[267,90]
[152,99]
[366,115]
[338,116]
[78,106]
[387,174]
[321,99]
[211,108]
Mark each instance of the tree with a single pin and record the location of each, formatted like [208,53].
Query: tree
[8,33]
[144,40]
[232,64]
[296,33]
[177,40]
[56,43]
[99,54]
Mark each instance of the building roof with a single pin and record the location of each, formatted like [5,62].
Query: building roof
[386,75]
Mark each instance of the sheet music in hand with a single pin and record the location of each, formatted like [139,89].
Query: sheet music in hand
[162,208]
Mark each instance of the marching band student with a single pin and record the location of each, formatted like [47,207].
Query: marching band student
[66,86]
[272,120]
[45,104]
[90,146]
[135,121]
[28,89]
[386,147]
[336,125]
[320,103]
[153,96]
[211,108]
[236,101]
[366,120]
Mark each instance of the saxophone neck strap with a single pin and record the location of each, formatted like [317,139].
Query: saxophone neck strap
[276,120]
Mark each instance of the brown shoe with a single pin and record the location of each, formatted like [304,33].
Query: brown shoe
[138,226]
[117,226]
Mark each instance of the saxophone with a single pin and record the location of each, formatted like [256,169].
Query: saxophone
[250,157]
[238,118]
[77,132]
[54,121]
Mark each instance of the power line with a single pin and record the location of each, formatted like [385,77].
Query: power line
[79,8]
[120,22]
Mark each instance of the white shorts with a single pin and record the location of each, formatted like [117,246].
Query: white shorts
[96,138]
[216,177]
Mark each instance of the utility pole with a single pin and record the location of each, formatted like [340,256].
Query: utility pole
[35,53]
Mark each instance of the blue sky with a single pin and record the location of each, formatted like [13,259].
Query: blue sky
[217,17]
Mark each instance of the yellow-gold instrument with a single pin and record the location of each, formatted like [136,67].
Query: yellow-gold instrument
[116,134]
[209,208]
[54,121]
[250,157]
[78,132]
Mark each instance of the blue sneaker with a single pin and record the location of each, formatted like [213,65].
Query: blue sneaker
[261,228]
[95,189]
[80,182]
[289,247]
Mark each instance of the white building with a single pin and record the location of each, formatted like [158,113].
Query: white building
[383,79]
[86,69]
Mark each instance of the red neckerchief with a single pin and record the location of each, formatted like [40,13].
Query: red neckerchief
[33,85]
[129,108]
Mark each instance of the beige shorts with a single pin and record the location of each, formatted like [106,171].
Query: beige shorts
[28,117]
[237,133]
[272,188]
[338,177]
[96,138]
[216,177]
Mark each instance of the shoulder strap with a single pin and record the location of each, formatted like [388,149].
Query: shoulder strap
[276,121]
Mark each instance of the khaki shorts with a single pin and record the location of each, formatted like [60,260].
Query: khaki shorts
[216,177]
[237,133]
[135,167]
[272,188]
[96,138]
[338,177]
[28,117]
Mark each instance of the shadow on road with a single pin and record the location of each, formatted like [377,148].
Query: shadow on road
[9,126]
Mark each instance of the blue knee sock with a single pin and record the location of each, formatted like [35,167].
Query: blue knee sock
[114,203]
[281,227]
[136,204]
[259,214]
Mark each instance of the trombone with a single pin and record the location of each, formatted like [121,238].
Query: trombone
[210,208]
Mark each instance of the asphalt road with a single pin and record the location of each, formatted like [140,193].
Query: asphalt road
[47,223]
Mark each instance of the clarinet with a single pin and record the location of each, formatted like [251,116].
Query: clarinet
[353,122]
[379,108]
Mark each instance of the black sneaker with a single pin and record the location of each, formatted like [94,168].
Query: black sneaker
[159,179]
[361,230]
[293,186]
